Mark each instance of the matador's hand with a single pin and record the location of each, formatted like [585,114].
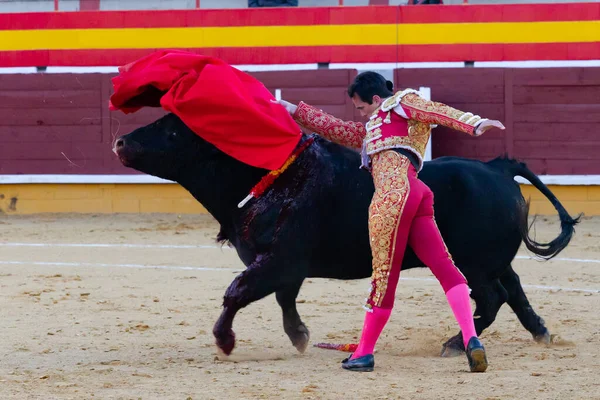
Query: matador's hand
[486,125]
[291,108]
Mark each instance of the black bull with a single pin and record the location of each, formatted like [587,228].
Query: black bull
[312,222]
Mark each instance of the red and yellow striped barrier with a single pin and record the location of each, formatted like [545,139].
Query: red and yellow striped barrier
[307,35]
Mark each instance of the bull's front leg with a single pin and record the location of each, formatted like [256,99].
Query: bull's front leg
[259,280]
[292,324]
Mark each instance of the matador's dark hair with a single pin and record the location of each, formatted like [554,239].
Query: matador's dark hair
[368,84]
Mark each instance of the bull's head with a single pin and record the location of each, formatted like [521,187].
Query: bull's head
[164,148]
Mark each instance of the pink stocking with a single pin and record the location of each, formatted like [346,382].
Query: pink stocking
[373,326]
[458,298]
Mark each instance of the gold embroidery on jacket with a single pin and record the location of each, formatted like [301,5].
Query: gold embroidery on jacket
[349,134]
[430,112]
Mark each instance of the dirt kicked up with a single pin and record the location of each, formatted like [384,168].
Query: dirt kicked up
[122,307]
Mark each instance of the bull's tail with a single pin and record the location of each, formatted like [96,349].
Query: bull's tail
[567,223]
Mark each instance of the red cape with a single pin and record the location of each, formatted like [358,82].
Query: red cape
[223,105]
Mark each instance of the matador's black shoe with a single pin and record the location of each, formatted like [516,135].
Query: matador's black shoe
[360,364]
[476,355]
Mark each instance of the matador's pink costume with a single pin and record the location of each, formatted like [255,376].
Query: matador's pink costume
[393,144]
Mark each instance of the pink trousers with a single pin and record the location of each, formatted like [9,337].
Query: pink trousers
[401,214]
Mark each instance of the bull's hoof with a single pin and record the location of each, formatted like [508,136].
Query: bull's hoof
[451,352]
[544,338]
[454,347]
[226,341]
[300,337]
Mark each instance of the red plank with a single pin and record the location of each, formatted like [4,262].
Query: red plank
[485,110]
[449,134]
[567,76]
[54,133]
[50,116]
[550,113]
[557,150]
[317,97]
[38,151]
[142,117]
[538,166]
[50,167]
[559,132]
[572,167]
[487,76]
[304,79]
[469,148]
[556,94]
[562,167]
[48,98]
[87,152]
[44,82]
[453,91]
[108,134]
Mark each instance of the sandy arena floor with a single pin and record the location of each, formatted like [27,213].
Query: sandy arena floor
[111,321]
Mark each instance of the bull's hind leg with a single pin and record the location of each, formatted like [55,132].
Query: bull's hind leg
[488,300]
[517,300]
[292,324]
[259,280]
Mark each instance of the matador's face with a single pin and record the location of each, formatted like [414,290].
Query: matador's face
[365,108]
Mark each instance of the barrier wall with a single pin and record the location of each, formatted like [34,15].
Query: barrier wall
[60,124]
[552,115]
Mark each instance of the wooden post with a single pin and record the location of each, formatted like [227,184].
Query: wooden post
[509,142]
[426,93]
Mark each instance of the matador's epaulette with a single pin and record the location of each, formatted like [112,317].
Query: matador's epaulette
[395,100]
